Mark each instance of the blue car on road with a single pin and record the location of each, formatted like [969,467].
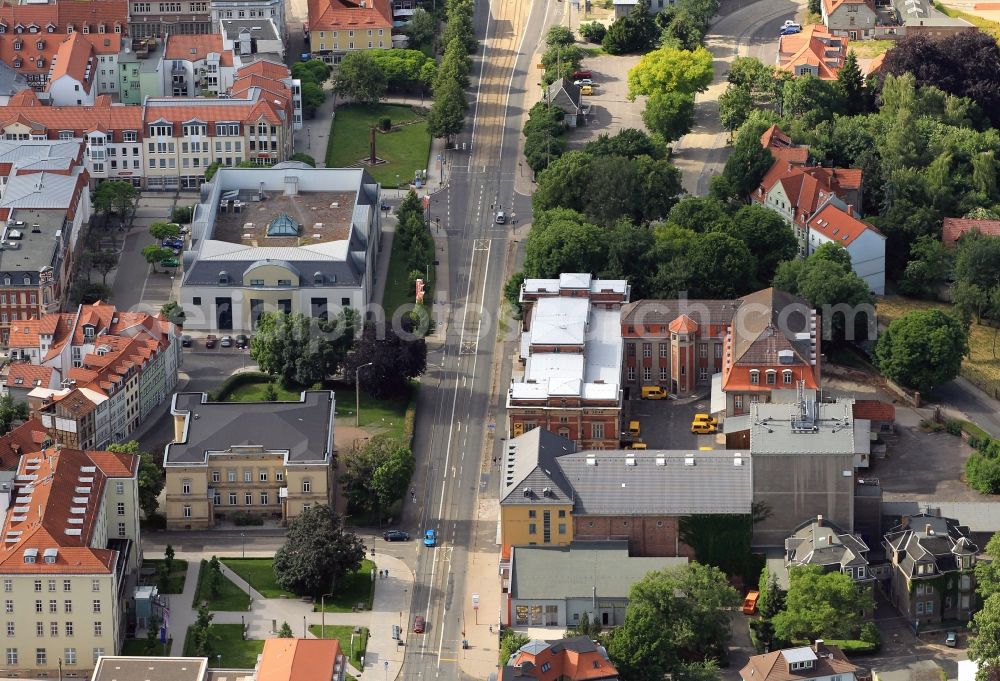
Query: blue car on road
[430,538]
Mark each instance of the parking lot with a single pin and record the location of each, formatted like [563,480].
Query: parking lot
[610,110]
[666,424]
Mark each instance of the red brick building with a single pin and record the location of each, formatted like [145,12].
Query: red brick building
[571,352]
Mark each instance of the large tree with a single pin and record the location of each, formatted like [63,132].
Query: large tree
[395,357]
[985,645]
[360,77]
[151,478]
[768,237]
[988,571]
[701,214]
[744,168]
[562,240]
[922,349]
[634,32]
[674,618]
[719,266]
[302,350]
[671,70]
[821,605]
[422,28]
[11,412]
[378,474]
[447,114]
[627,142]
[317,554]
[116,196]
[669,114]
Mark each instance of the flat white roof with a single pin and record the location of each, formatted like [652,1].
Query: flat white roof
[575,280]
[771,429]
[803,654]
[594,374]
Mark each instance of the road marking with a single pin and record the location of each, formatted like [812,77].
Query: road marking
[448,659]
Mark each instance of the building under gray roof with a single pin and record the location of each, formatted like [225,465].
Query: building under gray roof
[303,429]
[809,427]
[580,569]
[981,517]
[259,29]
[531,471]
[112,668]
[820,542]
[659,482]
[922,540]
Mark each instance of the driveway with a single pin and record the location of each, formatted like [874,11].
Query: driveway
[900,647]
[924,466]
[666,424]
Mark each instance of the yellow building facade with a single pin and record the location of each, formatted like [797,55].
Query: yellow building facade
[547,524]
[231,458]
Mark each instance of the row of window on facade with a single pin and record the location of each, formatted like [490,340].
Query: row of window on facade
[95,605]
[664,350]
[243,14]
[771,376]
[664,373]
[168,7]
[350,34]
[230,129]
[51,28]
[95,586]
[68,658]
[596,429]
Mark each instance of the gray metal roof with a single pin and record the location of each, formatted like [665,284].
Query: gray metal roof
[33,251]
[825,544]
[978,516]
[260,29]
[150,669]
[644,312]
[772,431]
[565,96]
[303,429]
[579,570]
[659,482]
[530,468]
[928,539]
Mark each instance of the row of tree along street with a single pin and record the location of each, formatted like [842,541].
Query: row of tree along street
[447,114]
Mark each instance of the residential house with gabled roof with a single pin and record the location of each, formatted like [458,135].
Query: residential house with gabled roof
[30,436]
[56,64]
[852,19]
[864,243]
[23,378]
[576,658]
[564,95]
[933,569]
[70,545]
[812,52]
[817,662]
[820,542]
[194,65]
[953,229]
[339,26]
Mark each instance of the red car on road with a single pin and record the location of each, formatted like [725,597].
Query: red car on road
[418,624]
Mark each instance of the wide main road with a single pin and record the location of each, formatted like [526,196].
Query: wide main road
[461,393]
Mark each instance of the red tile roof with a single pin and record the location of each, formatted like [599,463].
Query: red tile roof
[24,375]
[49,494]
[953,228]
[332,15]
[27,437]
[196,47]
[775,138]
[75,54]
[290,659]
[874,410]
[571,659]
[265,68]
[62,15]
[683,324]
[814,46]
[838,226]
[24,334]
[832,5]
[26,107]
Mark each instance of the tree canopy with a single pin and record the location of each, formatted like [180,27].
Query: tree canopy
[378,474]
[395,359]
[922,349]
[317,554]
[151,478]
[821,605]
[301,350]
[669,69]
[361,77]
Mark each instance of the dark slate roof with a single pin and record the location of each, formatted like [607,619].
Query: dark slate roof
[565,96]
[530,468]
[825,544]
[925,539]
[304,429]
[659,482]
[202,272]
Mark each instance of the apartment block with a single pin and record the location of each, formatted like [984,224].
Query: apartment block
[251,10]
[116,367]
[64,69]
[174,17]
[195,65]
[569,378]
[339,26]
[69,560]
[272,459]
[92,17]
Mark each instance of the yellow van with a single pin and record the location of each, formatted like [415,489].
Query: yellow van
[702,428]
[633,428]
[653,392]
[705,418]
[636,445]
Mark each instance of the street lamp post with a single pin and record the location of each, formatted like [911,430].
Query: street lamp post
[357,394]
[322,620]
[386,667]
[243,536]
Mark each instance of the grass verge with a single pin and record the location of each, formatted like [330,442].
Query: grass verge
[259,573]
[397,285]
[980,367]
[342,632]
[405,149]
[138,647]
[227,640]
[175,581]
[358,587]
[386,414]
[230,597]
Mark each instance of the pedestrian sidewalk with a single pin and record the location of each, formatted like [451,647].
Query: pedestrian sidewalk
[182,614]
[391,606]
[482,623]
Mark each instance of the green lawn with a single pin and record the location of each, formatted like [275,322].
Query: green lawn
[230,596]
[259,572]
[397,285]
[178,570]
[406,149]
[387,414]
[869,49]
[136,647]
[254,392]
[227,640]
[358,587]
[342,633]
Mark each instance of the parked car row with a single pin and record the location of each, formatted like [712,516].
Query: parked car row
[790,28]
[241,341]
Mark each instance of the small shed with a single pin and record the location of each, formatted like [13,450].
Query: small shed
[566,97]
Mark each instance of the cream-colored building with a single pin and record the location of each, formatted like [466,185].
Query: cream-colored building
[70,554]
[270,459]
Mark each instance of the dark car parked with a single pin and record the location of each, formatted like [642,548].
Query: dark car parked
[186,341]
[242,341]
[211,340]
[395,535]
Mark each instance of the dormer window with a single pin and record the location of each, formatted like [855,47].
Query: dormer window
[754,377]
[223,278]
[41,63]
[51,28]
[318,279]
[27,280]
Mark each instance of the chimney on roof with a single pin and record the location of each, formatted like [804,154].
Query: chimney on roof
[819,521]
[817,645]
[928,530]
[850,209]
